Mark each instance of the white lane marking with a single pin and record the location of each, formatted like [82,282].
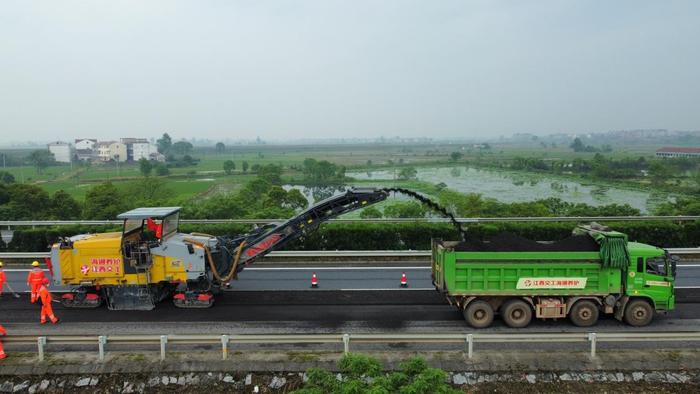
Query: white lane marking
[687,287]
[21,270]
[688,265]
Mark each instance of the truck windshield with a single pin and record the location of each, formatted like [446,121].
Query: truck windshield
[656,266]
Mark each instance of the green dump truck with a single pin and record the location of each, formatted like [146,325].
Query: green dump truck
[594,271]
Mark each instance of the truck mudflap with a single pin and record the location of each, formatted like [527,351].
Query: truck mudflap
[620,307]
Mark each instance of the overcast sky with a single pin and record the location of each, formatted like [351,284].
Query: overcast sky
[314,69]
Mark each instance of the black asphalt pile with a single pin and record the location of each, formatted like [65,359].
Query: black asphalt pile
[509,242]
[432,205]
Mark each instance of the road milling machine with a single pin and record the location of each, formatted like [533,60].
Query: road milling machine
[149,260]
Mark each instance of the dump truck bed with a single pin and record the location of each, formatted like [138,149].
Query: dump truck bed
[521,273]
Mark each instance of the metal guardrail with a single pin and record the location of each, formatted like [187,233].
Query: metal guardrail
[19,223]
[346,339]
[330,253]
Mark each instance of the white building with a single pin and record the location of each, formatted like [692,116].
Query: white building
[84,144]
[62,151]
[678,152]
[145,150]
[103,150]
[130,142]
[117,152]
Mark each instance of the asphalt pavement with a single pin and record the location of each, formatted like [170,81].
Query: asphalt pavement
[279,278]
[267,299]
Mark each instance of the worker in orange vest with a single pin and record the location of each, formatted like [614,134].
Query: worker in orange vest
[2,351]
[46,307]
[3,278]
[34,280]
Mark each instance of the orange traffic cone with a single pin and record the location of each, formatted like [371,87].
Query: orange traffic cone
[404,280]
[314,280]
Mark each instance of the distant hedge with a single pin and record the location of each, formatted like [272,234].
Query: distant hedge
[375,236]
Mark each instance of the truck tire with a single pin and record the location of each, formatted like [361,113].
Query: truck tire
[584,313]
[479,314]
[516,313]
[638,313]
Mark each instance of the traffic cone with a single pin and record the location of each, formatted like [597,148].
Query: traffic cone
[314,280]
[404,280]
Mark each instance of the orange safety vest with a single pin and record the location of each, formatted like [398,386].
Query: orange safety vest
[45,296]
[36,276]
[3,277]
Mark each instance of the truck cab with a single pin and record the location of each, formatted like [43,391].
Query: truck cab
[650,278]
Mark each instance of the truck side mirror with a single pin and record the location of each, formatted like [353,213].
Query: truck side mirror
[674,264]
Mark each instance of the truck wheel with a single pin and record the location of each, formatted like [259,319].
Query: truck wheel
[479,314]
[584,313]
[516,313]
[638,313]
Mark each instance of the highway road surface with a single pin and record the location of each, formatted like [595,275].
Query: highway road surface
[370,295]
[277,278]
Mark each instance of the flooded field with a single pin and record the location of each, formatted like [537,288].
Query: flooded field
[514,187]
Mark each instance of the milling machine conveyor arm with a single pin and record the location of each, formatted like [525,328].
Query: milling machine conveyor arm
[274,236]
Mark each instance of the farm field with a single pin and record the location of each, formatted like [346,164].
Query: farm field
[369,164]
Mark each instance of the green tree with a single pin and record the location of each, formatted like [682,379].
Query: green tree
[245,166]
[659,173]
[6,177]
[272,173]
[695,176]
[322,172]
[188,161]
[577,145]
[181,148]
[64,206]
[370,213]
[164,143]
[408,173]
[295,200]
[161,169]
[229,166]
[103,201]
[41,159]
[455,156]
[220,147]
[145,166]
[24,202]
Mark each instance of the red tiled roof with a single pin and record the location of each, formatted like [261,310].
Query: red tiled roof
[671,149]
